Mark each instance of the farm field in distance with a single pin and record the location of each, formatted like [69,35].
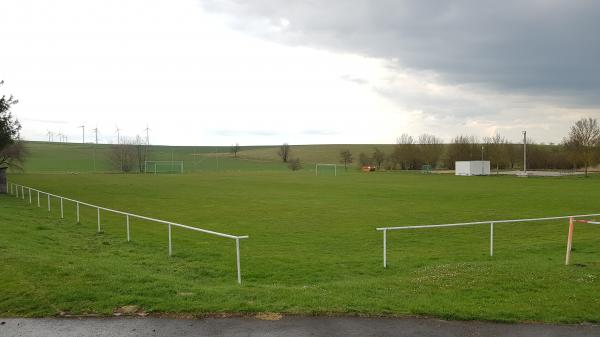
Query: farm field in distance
[313,247]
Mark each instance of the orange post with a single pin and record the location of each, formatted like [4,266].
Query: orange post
[569,242]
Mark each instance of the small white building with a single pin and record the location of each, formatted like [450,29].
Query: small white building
[472,168]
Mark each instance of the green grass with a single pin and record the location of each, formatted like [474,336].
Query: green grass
[312,249]
[73,157]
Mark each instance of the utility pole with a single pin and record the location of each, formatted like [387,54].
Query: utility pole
[82,134]
[525,151]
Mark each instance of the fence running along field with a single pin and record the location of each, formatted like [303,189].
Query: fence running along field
[491,223]
[14,189]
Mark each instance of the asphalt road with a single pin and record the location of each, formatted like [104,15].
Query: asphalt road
[287,326]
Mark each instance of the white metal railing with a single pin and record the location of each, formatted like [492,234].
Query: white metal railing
[14,189]
[491,223]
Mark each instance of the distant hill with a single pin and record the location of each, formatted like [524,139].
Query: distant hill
[76,157]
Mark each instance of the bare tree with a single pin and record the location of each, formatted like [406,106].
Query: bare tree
[284,152]
[583,142]
[346,158]
[364,159]
[430,149]
[378,158]
[462,148]
[123,157]
[405,153]
[140,151]
[497,150]
[294,164]
[235,149]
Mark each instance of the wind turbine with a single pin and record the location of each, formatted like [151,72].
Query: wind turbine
[50,134]
[60,136]
[118,134]
[82,133]
[147,135]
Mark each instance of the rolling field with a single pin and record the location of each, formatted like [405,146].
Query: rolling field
[73,157]
[313,248]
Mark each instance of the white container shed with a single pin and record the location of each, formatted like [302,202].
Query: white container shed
[472,168]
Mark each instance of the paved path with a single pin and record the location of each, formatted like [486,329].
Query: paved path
[288,326]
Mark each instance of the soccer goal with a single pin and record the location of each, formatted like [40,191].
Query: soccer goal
[165,166]
[326,165]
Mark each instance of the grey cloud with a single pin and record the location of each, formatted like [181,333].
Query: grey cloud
[532,47]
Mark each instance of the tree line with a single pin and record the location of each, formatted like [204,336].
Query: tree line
[580,149]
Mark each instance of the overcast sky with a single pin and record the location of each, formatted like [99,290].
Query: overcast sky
[207,72]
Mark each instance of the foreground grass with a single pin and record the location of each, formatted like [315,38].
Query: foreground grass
[313,247]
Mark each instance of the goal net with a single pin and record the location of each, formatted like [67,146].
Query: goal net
[326,168]
[165,166]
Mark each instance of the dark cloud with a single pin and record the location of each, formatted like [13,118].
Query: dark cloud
[532,47]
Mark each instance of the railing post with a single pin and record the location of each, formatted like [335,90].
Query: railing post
[30,195]
[385,248]
[237,252]
[99,220]
[48,202]
[38,198]
[17,192]
[491,239]
[170,245]
[78,212]
[22,192]
[62,213]
[569,242]
[127,221]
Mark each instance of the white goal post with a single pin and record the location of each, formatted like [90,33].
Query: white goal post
[163,166]
[334,168]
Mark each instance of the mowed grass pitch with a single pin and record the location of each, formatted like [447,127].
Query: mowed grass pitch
[313,247]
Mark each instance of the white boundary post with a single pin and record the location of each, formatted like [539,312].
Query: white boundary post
[237,253]
[48,202]
[22,192]
[78,212]
[127,222]
[17,189]
[384,248]
[30,196]
[62,214]
[170,244]
[38,198]
[99,220]
[569,242]
[316,169]
[491,239]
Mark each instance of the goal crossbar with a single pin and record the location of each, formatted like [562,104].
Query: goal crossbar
[334,168]
[148,165]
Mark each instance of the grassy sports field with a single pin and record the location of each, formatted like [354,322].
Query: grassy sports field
[312,249]
[73,157]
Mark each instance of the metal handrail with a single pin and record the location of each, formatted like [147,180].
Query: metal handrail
[15,187]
